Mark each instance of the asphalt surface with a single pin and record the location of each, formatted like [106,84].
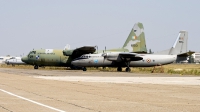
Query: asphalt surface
[23,90]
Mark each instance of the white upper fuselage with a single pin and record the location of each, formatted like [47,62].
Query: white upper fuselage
[113,60]
[14,61]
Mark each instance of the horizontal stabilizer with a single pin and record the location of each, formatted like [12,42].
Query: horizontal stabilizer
[186,54]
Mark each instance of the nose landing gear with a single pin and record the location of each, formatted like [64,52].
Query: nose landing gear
[84,69]
[35,67]
[128,68]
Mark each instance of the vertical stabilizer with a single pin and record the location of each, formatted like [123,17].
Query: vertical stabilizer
[180,45]
[136,39]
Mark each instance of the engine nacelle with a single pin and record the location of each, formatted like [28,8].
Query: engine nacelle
[112,56]
[67,52]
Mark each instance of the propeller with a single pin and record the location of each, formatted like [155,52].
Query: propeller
[104,56]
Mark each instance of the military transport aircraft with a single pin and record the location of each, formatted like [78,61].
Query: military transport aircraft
[58,57]
[129,59]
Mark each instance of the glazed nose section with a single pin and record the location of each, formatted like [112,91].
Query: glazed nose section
[24,59]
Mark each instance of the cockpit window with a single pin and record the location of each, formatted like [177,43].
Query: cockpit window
[32,52]
[84,57]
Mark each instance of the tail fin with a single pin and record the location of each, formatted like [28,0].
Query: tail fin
[136,40]
[180,45]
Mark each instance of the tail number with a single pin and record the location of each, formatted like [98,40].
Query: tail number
[134,45]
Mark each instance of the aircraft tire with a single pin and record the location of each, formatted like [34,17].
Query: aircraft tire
[119,69]
[35,67]
[128,69]
[84,69]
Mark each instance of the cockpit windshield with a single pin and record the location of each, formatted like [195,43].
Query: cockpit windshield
[83,57]
[32,52]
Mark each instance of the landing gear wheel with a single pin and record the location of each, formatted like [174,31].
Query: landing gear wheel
[128,69]
[119,69]
[84,69]
[35,67]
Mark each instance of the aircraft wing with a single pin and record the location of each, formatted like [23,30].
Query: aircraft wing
[80,51]
[125,56]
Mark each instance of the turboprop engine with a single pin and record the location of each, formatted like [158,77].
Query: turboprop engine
[113,56]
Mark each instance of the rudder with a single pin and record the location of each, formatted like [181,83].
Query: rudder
[180,45]
[136,40]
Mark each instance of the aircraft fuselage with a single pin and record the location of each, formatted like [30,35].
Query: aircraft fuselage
[148,60]
[45,58]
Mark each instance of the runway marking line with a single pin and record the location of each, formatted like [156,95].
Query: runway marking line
[12,94]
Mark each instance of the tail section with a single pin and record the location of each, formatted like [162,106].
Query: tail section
[180,45]
[136,40]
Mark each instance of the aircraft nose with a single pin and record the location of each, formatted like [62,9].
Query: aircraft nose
[24,59]
[74,62]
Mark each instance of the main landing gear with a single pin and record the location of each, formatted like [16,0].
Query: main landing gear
[35,67]
[119,69]
[127,62]
[128,68]
[84,69]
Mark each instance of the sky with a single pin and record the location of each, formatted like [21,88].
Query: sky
[52,24]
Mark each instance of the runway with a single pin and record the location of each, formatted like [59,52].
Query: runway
[75,91]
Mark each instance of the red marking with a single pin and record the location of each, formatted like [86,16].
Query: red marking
[148,60]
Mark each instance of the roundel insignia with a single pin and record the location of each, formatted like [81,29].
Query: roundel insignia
[148,60]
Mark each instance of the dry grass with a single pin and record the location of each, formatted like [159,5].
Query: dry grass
[182,69]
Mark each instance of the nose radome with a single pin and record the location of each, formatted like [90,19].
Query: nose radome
[74,62]
[24,59]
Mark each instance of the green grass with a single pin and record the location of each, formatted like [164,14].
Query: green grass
[182,69]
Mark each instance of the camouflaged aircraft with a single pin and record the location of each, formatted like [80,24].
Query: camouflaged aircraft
[129,59]
[58,57]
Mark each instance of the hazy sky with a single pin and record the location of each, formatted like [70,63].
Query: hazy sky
[35,24]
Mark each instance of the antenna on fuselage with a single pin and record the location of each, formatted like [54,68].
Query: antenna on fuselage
[105,49]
